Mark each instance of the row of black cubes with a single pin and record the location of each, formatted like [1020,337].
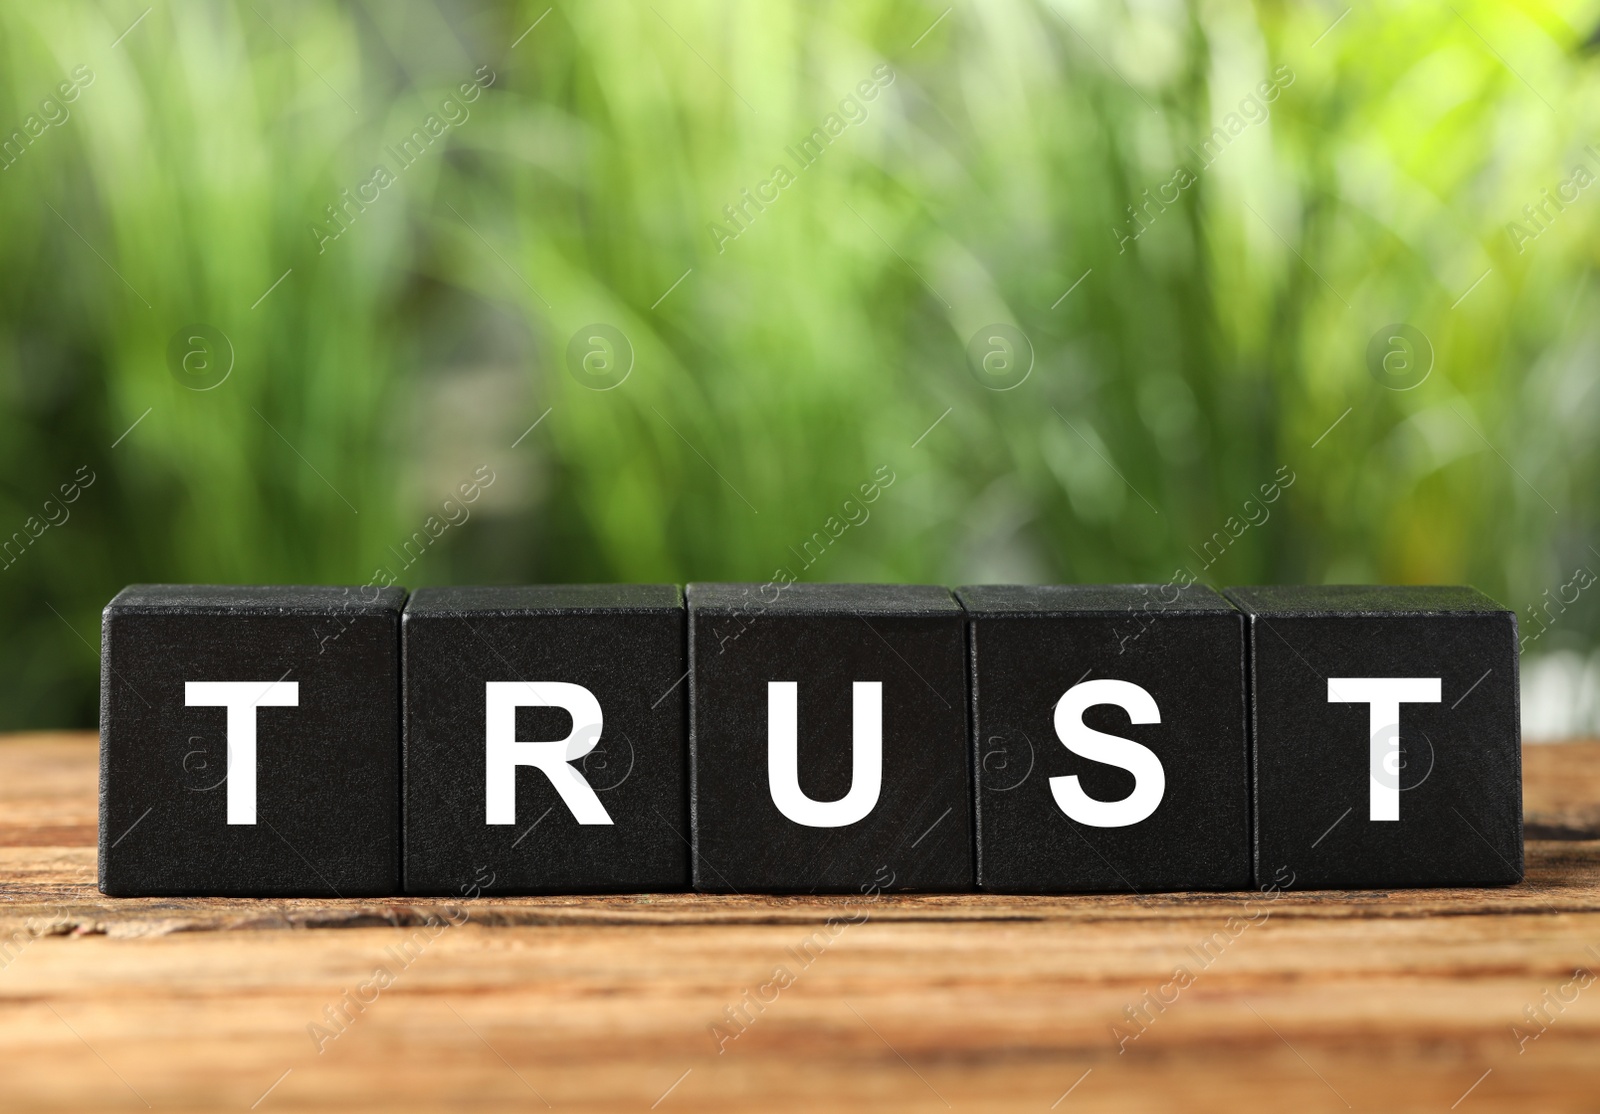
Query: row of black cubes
[1004,712]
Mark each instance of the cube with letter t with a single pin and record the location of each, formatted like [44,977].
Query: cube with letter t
[1109,727]
[1386,736]
[544,740]
[250,741]
[828,739]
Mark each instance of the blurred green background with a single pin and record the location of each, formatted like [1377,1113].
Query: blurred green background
[418,239]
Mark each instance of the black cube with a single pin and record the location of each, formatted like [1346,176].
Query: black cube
[545,739]
[1109,738]
[250,741]
[828,738]
[1386,734]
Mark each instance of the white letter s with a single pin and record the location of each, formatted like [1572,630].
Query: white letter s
[1149,780]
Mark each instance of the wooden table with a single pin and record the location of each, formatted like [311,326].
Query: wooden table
[1312,1001]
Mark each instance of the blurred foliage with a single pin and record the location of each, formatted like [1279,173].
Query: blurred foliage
[1368,168]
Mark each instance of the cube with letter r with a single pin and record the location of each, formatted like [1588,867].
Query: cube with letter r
[545,739]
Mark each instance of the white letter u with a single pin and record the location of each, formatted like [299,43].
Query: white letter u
[866,759]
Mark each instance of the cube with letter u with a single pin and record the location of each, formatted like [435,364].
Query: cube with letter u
[828,739]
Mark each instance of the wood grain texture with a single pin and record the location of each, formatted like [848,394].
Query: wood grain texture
[1311,1001]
